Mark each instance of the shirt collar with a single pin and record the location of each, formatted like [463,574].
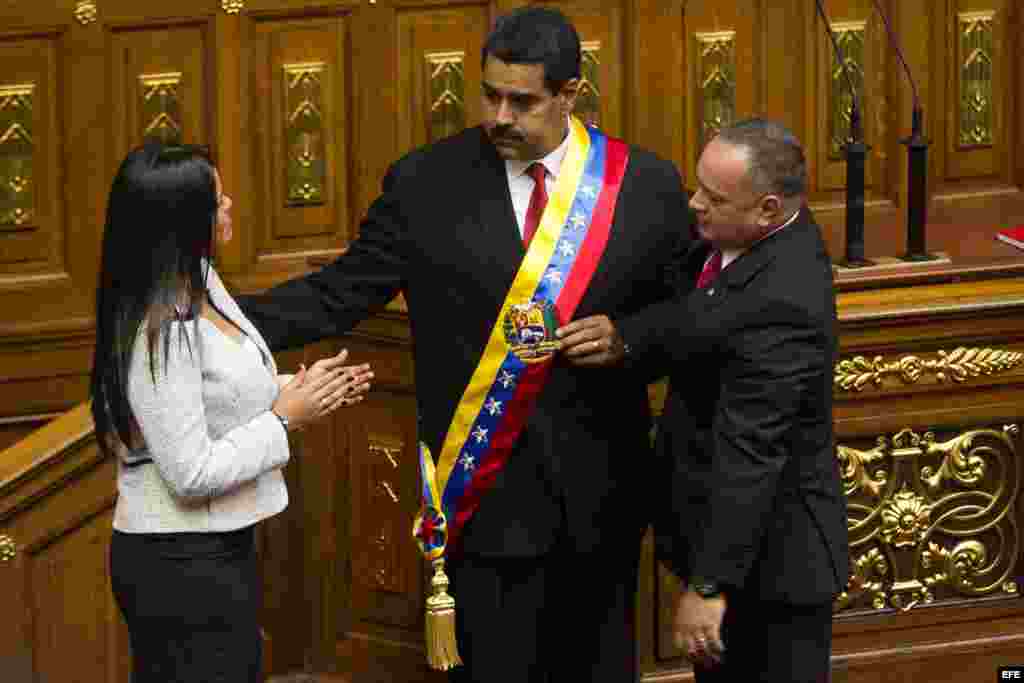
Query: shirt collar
[730,255]
[552,162]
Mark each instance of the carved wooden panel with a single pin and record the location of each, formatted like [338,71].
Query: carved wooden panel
[860,35]
[301,148]
[602,26]
[977,144]
[73,627]
[160,85]
[31,229]
[932,520]
[385,562]
[439,72]
[722,83]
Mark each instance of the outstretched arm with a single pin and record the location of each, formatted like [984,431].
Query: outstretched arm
[333,300]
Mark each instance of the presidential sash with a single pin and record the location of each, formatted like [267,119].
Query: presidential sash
[503,390]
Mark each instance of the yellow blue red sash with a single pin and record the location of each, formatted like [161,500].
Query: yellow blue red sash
[503,390]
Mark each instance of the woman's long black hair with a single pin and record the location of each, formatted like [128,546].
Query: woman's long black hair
[157,247]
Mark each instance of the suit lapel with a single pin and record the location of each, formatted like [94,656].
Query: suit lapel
[744,268]
[498,228]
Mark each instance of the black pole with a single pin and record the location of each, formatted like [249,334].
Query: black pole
[917,190]
[856,160]
[856,156]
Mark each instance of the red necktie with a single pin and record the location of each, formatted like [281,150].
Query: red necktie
[538,200]
[711,270]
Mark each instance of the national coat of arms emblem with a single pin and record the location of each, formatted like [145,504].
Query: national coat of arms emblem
[530,330]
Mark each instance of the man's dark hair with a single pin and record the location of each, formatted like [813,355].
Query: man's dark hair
[777,162]
[537,35]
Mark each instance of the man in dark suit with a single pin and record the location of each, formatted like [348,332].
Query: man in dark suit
[754,520]
[545,571]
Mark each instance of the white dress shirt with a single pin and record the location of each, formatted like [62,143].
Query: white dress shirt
[520,183]
[730,255]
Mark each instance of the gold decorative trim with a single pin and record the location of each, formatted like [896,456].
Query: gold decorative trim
[306,152]
[588,97]
[929,520]
[851,37]
[446,76]
[857,373]
[161,107]
[716,67]
[8,550]
[385,452]
[976,35]
[17,151]
[86,12]
[232,6]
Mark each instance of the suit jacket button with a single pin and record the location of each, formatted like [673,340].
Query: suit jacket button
[711,291]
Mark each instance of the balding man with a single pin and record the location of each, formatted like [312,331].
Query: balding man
[753,518]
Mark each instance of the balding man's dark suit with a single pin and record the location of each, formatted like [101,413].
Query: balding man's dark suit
[753,496]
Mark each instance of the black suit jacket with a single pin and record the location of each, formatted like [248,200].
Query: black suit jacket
[444,233]
[745,444]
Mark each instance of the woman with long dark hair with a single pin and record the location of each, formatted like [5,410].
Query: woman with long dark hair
[186,395]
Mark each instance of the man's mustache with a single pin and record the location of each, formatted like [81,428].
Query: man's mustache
[505,133]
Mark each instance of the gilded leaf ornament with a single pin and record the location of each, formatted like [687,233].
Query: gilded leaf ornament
[859,372]
[232,6]
[86,12]
[8,551]
[931,520]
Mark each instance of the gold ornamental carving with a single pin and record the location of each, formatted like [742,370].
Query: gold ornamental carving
[306,153]
[384,569]
[161,107]
[977,79]
[17,151]
[232,6]
[716,67]
[929,520]
[8,551]
[857,373]
[447,86]
[588,94]
[851,38]
[86,12]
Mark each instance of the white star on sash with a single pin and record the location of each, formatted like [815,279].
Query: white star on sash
[507,379]
[588,191]
[493,407]
[480,434]
[577,221]
[554,277]
[566,249]
[468,463]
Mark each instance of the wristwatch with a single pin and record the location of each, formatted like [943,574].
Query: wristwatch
[705,588]
[282,418]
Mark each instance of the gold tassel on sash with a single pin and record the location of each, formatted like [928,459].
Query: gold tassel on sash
[442,650]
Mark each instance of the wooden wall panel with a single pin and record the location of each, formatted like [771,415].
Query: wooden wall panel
[301,147]
[438,54]
[861,36]
[31,227]
[160,88]
[722,83]
[975,144]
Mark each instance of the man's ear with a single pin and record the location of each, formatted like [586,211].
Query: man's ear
[570,90]
[771,209]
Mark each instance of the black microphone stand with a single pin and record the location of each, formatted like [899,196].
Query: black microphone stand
[917,162]
[856,158]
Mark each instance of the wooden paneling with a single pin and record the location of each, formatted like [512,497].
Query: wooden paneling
[438,54]
[298,118]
